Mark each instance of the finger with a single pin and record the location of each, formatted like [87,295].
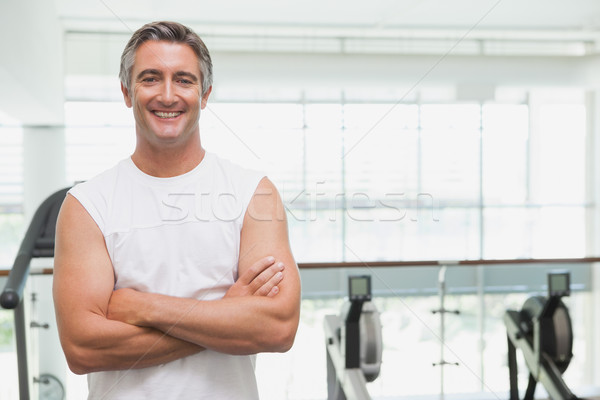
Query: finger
[264,277]
[269,281]
[273,292]
[256,269]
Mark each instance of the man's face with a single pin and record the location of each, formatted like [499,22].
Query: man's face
[165,93]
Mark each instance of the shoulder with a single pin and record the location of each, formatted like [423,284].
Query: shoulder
[233,170]
[95,195]
[99,182]
[266,203]
[236,178]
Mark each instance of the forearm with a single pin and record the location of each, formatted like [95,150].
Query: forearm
[99,344]
[241,325]
[259,313]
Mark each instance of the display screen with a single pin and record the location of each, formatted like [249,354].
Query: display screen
[558,284]
[359,287]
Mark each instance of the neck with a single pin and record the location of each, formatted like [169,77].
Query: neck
[167,162]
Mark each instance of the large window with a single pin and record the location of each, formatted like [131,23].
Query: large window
[391,181]
[11,231]
[11,192]
[432,181]
[97,136]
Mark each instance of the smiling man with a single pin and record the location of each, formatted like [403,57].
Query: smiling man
[173,268]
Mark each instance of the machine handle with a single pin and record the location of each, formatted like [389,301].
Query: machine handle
[46,213]
[13,290]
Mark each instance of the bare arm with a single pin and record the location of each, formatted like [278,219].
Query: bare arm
[234,325]
[83,284]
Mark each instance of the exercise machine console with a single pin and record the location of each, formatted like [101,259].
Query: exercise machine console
[542,331]
[354,343]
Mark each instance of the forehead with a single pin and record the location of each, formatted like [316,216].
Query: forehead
[166,56]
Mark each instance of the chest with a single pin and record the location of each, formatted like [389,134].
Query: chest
[196,259]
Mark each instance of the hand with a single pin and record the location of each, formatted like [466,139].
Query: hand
[261,279]
[123,305]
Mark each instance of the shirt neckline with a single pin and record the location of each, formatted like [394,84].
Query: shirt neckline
[138,173]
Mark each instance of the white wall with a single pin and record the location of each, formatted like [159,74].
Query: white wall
[31,74]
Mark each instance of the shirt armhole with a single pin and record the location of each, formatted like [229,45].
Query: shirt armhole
[89,206]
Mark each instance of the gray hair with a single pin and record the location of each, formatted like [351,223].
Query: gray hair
[172,32]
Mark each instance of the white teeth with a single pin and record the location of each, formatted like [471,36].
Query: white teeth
[161,114]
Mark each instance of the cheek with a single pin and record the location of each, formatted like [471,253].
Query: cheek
[136,107]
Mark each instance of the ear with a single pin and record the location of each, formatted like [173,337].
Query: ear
[126,96]
[205,98]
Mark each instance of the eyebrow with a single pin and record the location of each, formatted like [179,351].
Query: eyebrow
[185,74]
[149,71]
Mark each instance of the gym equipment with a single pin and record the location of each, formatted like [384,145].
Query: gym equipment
[38,242]
[354,344]
[542,331]
[442,311]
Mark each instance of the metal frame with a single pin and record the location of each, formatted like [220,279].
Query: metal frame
[342,383]
[542,368]
[38,242]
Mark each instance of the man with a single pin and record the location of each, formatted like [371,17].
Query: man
[172,268]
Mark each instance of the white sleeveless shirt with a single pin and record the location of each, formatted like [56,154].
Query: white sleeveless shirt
[176,236]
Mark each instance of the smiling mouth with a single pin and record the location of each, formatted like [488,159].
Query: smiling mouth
[161,114]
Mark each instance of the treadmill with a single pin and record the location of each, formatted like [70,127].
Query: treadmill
[37,243]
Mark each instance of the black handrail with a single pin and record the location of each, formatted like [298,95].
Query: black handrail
[38,242]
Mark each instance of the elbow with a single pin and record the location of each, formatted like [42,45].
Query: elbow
[285,330]
[283,339]
[285,344]
[79,358]
[77,361]
[77,368]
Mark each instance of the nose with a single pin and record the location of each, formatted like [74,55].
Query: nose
[167,93]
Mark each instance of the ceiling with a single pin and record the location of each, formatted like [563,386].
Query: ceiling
[96,30]
[499,19]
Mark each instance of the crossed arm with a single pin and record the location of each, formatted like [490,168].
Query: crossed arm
[102,329]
